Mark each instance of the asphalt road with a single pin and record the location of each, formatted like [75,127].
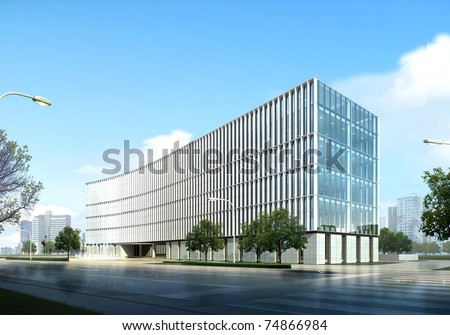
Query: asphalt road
[145,288]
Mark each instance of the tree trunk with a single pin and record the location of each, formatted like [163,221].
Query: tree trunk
[279,254]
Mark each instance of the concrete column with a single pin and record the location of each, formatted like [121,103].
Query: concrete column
[184,254]
[350,249]
[230,250]
[152,251]
[365,249]
[168,250]
[375,251]
[335,249]
[315,249]
[174,250]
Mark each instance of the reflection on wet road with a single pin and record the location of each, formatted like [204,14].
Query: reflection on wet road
[121,287]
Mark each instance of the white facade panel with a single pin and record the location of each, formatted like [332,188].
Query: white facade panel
[290,256]
[219,255]
[174,250]
[335,249]
[351,250]
[315,252]
[364,249]
[184,254]
[249,257]
[375,249]
[268,257]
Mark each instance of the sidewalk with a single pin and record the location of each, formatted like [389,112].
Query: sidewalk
[426,265]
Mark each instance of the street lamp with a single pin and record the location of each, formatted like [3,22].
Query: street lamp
[234,225]
[41,101]
[37,99]
[439,142]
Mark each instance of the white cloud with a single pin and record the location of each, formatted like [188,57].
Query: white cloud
[163,144]
[40,209]
[422,78]
[152,149]
[413,104]
[157,147]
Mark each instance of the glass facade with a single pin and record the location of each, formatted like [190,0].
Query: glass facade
[310,150]
[348,184]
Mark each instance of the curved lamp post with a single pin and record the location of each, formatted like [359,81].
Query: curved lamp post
[37,99]
[234,225]
[439,142]
[42,102]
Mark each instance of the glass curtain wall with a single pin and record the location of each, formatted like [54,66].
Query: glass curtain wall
[348,176]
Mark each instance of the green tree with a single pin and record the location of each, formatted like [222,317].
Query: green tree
[417,247]
[18,192]
[68,239]
[26,247]
[50,247]
[402,243]
[283,232]
[446,247]
[252,238]
[386,240]
[204,237]
[436,216]
[393,242]
[431,248]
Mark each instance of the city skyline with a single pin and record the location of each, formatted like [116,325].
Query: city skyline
[141,80]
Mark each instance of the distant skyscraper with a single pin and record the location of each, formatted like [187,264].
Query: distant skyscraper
[6,251]
[25,230]
[409,212]
[47,227]
[392,219]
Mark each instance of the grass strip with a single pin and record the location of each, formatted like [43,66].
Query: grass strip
[435,257]
[14,303]
[229,264]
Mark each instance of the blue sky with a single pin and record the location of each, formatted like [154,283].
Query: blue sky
[153,71]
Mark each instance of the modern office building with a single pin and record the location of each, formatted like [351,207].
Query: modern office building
[409,217]
[392,219]
[25,230]
[47,227]
[310,150]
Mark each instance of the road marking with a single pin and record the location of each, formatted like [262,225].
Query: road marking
[427,280]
